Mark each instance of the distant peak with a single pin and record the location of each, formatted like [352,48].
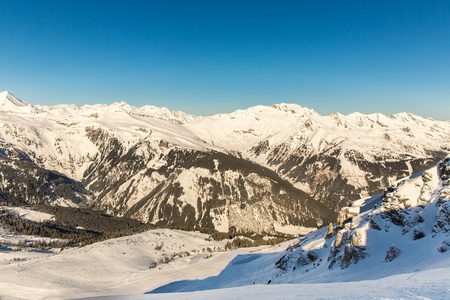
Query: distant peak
[337,115]
[287,106]
[293,108]
[121,103]
[8,97]
[10,103]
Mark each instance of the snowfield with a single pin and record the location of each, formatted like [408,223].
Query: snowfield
[430,284]
[121,266]
[29,214]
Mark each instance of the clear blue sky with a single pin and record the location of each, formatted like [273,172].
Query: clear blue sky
[205,57]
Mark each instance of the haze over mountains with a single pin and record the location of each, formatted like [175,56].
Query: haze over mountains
[277,169]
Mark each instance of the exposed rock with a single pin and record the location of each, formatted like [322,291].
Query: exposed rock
[330,231]
[346,213]
[392,253]
[359,237]
[444,247]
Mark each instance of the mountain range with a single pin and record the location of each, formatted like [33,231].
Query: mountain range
[279,169]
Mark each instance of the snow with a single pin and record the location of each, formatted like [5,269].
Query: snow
[420,269]
[29,214]
[114,267]
[293,230]
[189,180]
[9,103]
[430,284]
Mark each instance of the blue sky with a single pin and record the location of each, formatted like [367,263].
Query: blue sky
[206,57]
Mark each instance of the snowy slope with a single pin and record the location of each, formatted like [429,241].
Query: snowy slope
[403,233]
[29,214]
[430,284]
[296,125]
[113,267]
[10,103]
[243,129]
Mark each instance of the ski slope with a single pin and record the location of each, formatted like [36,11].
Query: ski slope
[119,266]
[430,284]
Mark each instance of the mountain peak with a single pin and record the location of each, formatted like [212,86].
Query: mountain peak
[287,107]
[10,103]
[293,108]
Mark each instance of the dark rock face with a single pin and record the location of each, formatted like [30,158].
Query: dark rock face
[392,253]
[196,189]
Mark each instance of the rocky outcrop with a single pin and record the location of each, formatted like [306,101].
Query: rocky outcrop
[410,211]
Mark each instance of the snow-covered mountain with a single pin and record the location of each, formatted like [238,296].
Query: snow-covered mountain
[335,158]
[264,169]
[398,234]
[10,103]
[392,245]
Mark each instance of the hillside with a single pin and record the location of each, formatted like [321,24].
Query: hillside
[399,234]
[126,265]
